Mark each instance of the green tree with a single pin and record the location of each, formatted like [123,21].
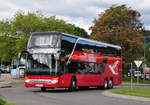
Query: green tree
[7,48]
[80,32]
[20,27]
[5,28]
[121,26]
[25,24]
[7,42]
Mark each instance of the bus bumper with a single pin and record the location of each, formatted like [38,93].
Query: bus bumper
[42,85]
[51,83]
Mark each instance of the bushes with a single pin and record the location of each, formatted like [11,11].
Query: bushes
[2,102]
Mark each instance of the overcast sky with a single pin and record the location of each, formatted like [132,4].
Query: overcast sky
[78,12]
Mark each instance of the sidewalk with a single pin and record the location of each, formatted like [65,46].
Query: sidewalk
[5,80]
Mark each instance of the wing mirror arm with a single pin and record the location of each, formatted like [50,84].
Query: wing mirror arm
[20,55]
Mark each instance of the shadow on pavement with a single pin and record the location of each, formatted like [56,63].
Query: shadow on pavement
[65,90]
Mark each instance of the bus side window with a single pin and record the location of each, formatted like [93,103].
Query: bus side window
[73,67]
[67,44]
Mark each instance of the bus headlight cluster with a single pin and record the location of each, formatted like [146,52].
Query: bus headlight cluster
[54,81]
[27,80]
[41,81]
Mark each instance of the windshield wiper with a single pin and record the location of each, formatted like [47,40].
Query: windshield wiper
[43,46]
[54,46]
[34,47]
[48,46]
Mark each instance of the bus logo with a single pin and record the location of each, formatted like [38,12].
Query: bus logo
[112,68]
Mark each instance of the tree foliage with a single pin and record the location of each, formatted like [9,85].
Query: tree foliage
[121,26]
[7,48]
[19,28]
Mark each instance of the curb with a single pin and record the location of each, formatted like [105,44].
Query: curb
[136,98]
[5,84]
[6,80]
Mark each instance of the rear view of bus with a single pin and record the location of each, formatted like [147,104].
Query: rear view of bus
[59,60]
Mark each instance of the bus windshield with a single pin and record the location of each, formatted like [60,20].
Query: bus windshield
[42,64]
[44,40]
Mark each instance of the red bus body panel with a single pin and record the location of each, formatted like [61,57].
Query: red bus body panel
[113,69]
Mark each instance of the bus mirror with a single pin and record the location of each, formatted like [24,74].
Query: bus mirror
[20,57]
[57,56]
[20,54]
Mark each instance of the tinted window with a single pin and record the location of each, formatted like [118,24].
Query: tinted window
[85,46]
[44,40]
[118,52]
[77,67]
[67,43]
[95,48]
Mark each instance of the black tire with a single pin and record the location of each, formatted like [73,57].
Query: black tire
[43,89]
[73,85]
[111,84]
[105,84]
[84,87]
[100,87]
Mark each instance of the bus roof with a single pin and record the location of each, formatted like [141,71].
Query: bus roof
[90,40]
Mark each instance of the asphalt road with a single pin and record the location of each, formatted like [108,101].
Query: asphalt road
[20,95]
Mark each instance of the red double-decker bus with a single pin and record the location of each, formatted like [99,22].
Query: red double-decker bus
[60,60]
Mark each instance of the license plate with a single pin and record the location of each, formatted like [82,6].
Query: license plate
[39,85]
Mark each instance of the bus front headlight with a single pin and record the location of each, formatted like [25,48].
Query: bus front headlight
[54,81]
[27,80]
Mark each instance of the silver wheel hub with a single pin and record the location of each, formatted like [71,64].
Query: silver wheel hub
[74,84]
[110,83]
[105,84]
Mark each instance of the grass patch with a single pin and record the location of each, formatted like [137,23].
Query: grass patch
[19,78]
[2,102]
[143,92]
[18,82]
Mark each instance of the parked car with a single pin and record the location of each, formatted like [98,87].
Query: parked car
[8,69]
[137,73]
[0,72]
[142,76]
[5,69]
[147,77]
[2,67]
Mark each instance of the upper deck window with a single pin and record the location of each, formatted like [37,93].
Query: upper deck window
[44,40]
[99,49]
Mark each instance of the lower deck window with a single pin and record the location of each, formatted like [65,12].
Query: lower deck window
[77,67]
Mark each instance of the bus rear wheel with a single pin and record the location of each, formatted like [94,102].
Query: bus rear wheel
[110,85]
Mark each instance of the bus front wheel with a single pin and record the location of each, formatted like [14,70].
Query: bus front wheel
[43,89]
[72,85]
[105,84]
